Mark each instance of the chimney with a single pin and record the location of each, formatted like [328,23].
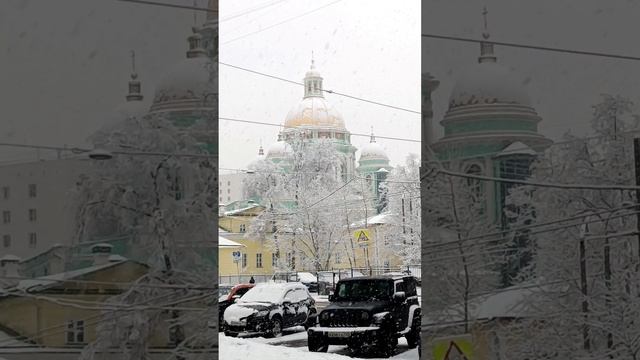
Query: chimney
[9,266]
[101,253]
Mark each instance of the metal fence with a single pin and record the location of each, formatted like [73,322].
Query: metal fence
[330,276]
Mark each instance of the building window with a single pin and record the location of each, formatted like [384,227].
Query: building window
[5,192]
[259,260]
[338,258]
[32,190]
[6,241]
[274,260]
[229,183]
[32,215]
[75,332]
[220,198]
[475,185]
[369,180]
[244,260]
[33,240]
[6,216]
[243,228]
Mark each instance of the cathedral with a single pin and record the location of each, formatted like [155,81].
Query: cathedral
[490,128]
[314,118]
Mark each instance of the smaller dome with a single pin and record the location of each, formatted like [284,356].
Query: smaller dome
[373,151]
[312,73]
[488,83]
[188,80]
[279,149]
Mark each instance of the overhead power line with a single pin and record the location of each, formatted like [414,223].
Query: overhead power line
[534,47]
[540,184]
[294,127]
[324,90]
[177,6]
[281,22]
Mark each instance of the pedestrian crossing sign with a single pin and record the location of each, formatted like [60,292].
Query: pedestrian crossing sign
[453,348]
[362,237]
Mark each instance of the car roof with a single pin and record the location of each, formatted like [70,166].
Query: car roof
[375,277]
[284,286]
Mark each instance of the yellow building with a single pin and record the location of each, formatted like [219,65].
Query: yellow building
[63,310]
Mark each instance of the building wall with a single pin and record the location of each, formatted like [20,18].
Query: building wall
[53,205]
[230,188]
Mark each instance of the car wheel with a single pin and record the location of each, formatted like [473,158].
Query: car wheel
[276,327]
[413,336]
[316,344]
[387,347]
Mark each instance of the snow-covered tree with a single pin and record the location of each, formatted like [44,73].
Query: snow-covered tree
[402,193]
[309,206]
[584,239]
[160,188]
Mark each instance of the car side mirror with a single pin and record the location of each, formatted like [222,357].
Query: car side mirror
[400,296]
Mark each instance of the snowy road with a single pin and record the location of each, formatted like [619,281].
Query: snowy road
[293,345]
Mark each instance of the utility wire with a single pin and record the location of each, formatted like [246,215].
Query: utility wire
[177,6]
[251,10]
[533,47]
[539,184]
[324,90]
[294,127]
[281,22]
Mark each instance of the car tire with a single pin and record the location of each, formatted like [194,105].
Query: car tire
[413,336]
[276,327]
[387,347]
[316,344]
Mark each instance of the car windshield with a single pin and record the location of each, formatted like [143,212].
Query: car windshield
[363,290]
[267,294]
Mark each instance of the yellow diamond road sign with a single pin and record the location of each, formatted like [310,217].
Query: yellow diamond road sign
[362,237]
[453,348]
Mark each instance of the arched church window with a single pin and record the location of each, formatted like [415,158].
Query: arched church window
[369,179]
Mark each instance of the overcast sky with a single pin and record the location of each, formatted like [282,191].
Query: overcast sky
[65,63]
[368,49]
[562,87]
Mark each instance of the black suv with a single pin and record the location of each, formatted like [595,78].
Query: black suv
[369,312]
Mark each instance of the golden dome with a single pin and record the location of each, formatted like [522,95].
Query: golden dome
[314,112]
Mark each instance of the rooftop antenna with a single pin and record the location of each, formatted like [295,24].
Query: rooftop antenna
[312,60]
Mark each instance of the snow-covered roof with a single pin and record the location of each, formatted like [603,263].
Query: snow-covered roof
[226,243]
[279,149]
[44,282]
[9,341]
[241,210]
[504,303]
[380,219]
[9,257]
[517,148]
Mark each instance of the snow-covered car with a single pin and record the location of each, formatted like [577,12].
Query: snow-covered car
[307,278]
[369,312]
[269,308]
[233,294]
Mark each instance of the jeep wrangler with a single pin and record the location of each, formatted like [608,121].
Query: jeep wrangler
[368,313]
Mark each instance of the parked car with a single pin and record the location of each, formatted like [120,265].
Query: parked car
[232,295]
[368,313]
[269,308]
[307,278]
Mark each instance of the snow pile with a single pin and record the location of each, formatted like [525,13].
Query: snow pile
[242,349]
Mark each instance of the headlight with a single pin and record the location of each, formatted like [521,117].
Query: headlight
[262,313]
[379,317]
[364,315]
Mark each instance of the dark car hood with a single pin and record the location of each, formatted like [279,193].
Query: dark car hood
[370,306]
